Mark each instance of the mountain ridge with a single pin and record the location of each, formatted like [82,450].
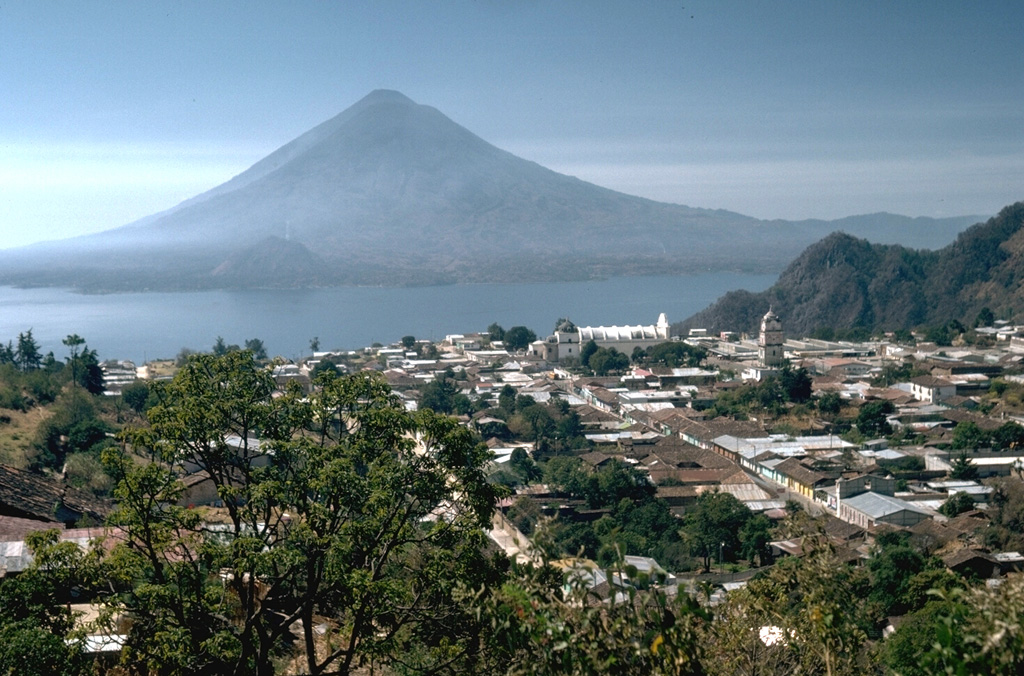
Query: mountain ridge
[843,282]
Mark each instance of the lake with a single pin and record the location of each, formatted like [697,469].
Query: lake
[142,326]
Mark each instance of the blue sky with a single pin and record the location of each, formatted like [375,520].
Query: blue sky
[110,111]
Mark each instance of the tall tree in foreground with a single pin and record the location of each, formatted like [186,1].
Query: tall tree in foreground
[350,521]
[539,623]
[73,342]
[804,616]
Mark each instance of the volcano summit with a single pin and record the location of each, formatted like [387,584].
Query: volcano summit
[393,192]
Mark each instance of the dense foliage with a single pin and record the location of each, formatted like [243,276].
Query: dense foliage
[359,526]
[844,283]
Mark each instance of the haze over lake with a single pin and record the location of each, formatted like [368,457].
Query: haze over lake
[157,325]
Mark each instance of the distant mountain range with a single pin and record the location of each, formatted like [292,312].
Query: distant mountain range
[391,192]
[843,282]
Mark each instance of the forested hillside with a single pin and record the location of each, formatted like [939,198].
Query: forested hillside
[843,282]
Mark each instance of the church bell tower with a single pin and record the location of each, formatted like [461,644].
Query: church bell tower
[769,344]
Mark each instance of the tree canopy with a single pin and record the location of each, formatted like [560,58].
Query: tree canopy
[518,338]
[871,420]
[712,528]
[344,512]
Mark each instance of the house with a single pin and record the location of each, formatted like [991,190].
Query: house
[672,378]
[870,509]
[932,389]
[800,478]
[842,367]
[27,495]
[971,562]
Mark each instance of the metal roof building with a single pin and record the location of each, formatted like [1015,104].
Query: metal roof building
[870,509]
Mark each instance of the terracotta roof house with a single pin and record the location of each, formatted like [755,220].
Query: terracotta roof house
[27,495]
[969,561]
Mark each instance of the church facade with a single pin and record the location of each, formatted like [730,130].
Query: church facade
[568,339]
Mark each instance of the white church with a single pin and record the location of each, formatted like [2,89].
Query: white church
[568,339]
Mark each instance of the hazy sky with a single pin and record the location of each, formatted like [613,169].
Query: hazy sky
[110,111]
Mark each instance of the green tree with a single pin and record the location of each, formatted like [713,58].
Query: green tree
[339,531]
[507,399]
[220,348]
[985,318]
[569,426]
[314,344]
[495,332]
[607,360]
[73,342]
[37,634]
[566,475]
[892,567]
[903,336]
[524,466]
[940,335]
[74,427]
[811,611]
[754,537]
[978,631]
[902,652]
[1009,435]
[532,422]
[7,354]
[519,338]
[871,420]
[769,394]
[439,395]
[324,366]
[91,372]
[586,352]
[27,354]
[525,513]
[958,503]
[674,354]
[258,349]
[967,435]
[962,469]
[535,626]
[712,528]
[830,403]
[614,482]
[408,342]
[796,384]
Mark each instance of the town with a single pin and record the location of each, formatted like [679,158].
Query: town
[632,459]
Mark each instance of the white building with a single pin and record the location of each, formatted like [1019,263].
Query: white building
[568,339]
[931,389]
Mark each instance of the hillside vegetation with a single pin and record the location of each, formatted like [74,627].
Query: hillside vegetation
[843,282]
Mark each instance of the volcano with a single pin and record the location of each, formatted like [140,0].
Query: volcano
[393,192]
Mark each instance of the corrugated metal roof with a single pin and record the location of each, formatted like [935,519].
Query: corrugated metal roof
[14,557]
[764,505]
[745,492]
[876,505]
